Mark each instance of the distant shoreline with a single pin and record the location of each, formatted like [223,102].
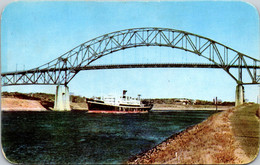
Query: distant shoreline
[18,104]
[172,107]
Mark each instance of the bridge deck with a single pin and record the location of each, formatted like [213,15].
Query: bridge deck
[124,66]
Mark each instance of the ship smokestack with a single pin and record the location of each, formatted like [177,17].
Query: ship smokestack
[124,92]
[139,97]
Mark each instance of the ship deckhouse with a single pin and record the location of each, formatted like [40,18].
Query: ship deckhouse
[122,100]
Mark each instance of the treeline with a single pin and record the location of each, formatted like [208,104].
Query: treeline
[30,96]
[77,99]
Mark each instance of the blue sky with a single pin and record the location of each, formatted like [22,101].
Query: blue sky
[34,33]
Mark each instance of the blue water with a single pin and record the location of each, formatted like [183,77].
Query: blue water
[79,137]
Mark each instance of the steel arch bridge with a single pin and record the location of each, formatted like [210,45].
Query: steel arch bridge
[62,69]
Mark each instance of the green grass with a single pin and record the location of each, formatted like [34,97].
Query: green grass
[245,125]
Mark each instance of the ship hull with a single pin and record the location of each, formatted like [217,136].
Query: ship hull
[97,107]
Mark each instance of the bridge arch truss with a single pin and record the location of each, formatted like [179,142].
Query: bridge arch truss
[62,69]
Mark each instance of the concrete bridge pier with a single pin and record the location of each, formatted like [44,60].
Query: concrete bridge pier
[62,98]
[240,94]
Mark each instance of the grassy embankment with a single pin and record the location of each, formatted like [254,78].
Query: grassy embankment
[230,137]
[245,125]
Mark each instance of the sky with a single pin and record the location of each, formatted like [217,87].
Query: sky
[34,33]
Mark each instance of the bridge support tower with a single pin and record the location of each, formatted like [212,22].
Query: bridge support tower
[62,101]
[240,94]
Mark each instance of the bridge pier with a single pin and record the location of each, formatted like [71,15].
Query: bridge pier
[239,95]
[62,102]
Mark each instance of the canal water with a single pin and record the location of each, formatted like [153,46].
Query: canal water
[79,137]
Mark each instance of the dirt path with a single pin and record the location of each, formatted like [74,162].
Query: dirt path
[219,139]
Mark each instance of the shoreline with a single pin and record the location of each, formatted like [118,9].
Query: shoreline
[172,107]
[222,138]
[188,109]
[18,104]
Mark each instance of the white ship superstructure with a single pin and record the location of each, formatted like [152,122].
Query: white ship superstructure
[121,100]
[118,103]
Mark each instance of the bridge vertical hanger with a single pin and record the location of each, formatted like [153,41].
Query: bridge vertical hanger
[62,102]
[239,69]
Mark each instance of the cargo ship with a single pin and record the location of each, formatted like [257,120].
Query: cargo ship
[120,104]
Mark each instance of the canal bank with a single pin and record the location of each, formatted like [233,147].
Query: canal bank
[19,104]
[229,137]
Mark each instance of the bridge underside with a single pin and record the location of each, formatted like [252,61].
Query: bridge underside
[54,76]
